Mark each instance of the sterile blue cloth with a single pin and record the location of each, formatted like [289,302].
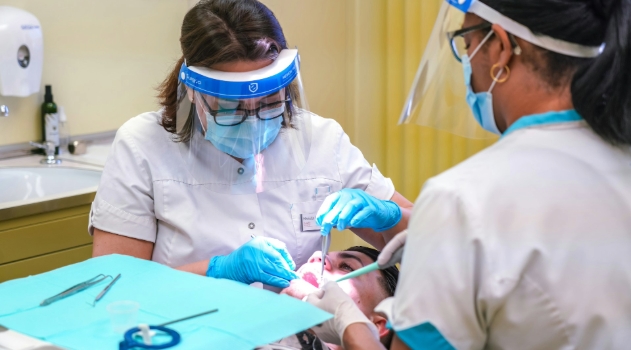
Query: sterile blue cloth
[247,316]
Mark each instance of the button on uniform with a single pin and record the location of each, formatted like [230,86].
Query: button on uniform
[240,171]
[251,226]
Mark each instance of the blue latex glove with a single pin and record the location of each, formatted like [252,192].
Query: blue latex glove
[261,259]
[356,208]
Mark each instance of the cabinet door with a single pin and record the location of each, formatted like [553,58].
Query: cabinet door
[43,234]
[44,242]
[44,263]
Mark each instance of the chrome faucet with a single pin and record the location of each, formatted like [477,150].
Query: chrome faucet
[4,111]
[49,147]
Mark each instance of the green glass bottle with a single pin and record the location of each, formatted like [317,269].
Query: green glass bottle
[50,119]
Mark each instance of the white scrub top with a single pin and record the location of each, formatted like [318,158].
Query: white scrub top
[526,245]
[146,193]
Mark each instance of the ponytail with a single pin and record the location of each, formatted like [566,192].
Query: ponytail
[168,96]
[601,89]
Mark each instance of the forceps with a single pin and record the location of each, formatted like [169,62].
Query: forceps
[75,289]
[107,288]
[326,244]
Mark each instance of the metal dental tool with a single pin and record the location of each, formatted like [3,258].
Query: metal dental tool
[326,244]
[107,288]
[75,289]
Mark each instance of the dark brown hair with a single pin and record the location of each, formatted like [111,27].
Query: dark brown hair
[599,85]
[218,31]
[389,279]
[389,276]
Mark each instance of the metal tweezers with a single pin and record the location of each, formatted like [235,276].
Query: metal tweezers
[75,289]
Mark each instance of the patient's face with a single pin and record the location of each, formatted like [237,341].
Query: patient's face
[365,290]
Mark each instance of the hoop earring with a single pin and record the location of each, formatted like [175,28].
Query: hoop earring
[495,78]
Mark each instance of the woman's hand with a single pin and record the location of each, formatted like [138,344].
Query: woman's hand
[356,208]
[261,259]
[392,253]
[332,299]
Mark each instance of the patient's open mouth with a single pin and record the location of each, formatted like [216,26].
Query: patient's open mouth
[311,278]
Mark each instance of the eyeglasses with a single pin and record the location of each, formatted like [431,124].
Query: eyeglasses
[456,39]
[236,116]
[459,46]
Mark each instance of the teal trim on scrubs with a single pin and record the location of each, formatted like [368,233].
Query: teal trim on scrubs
[424,336]
[543,119]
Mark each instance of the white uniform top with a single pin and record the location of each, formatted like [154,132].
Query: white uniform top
[144,193]
[526,245]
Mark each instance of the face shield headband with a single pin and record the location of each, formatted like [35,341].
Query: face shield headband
[555,45]
[243,85]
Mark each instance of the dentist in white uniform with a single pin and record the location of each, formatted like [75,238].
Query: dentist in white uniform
[235,153]
[526,245]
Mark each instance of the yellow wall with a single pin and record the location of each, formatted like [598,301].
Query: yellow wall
[317,28]
[358,60]
[103,59]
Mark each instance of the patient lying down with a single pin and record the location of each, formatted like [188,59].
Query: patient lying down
[367,291]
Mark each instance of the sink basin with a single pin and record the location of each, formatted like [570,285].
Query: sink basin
[30,184]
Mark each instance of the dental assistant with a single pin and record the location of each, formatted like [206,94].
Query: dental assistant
[528,243]
[227,178]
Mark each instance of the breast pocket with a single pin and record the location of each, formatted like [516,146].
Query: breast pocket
[307,232]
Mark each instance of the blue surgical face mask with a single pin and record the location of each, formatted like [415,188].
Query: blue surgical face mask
[481,103]
[244,140]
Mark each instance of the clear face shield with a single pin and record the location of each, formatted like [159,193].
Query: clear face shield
[437,98]
[250,131]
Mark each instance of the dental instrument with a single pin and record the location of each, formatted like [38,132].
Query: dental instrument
[390,256]
[326,244]
[145,332]
[364,270]
[75,289]
[106,289]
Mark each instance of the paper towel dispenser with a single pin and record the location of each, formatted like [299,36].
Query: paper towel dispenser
[21,52]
